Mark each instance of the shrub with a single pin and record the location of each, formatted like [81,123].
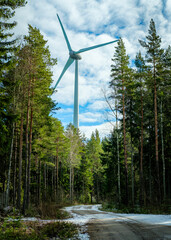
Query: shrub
[62,230]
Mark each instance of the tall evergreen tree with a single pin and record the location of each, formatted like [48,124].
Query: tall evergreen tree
[7,46]
[154,57]
[7,49]
[120,74]
[165,98]
[140,77]
[34,76]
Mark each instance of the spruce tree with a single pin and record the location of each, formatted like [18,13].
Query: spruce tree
[7,49]
[7,44]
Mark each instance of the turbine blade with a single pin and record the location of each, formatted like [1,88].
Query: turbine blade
[65,36]
[93,47]
[68,63]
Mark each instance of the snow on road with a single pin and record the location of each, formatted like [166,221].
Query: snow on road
[82,214]
[93,212]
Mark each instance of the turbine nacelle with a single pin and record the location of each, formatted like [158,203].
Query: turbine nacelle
[75,55]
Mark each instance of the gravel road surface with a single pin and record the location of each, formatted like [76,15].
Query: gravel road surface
[110,226]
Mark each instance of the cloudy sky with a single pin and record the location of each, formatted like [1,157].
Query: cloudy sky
[87,23]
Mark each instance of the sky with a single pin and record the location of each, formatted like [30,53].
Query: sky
[87,23]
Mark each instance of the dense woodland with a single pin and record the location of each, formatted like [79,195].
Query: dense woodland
[43,162]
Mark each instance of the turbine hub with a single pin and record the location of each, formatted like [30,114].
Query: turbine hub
[74,55]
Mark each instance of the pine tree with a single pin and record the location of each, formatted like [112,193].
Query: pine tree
[140,76]
[120,74]
[165,114]
[153,57]
[34,77]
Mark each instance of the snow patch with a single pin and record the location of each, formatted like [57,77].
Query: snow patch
[143,218]
[93,212]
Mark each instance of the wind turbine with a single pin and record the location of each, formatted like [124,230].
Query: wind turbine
[75,56]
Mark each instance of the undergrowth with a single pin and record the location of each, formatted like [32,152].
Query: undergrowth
[163,209]
[47,211]
[16,229]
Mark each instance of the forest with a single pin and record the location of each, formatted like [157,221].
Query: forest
[43,162]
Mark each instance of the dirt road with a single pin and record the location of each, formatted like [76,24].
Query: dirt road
[110,226]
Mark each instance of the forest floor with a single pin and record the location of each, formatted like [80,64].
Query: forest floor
[100,225]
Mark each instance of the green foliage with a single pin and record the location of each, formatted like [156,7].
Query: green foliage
[95,169]
[142,95]
[75,146]
[62,230]
[111,207]
[36,231]
[7,62]
[14,229]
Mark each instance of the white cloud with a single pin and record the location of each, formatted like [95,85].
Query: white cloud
[104,129]
[66,110]
[90,117]
[168,8]
[97,105]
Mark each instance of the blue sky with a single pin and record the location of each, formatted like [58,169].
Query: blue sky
[87,23]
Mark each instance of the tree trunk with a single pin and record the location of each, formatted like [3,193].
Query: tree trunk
[15,166]
[125,146]
[132,157]
[142,193]
[150,175]
[39,182]
[156,139]
[45,182]
[29,158]
[163,160]
[91,195]
[20,164]
[117,139]
[26,152]
[9,169]
[132,172]
[55,180]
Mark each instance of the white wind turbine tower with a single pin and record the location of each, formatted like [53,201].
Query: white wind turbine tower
[75,56]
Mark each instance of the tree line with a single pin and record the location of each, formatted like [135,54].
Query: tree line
[43,162]
[141,95]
